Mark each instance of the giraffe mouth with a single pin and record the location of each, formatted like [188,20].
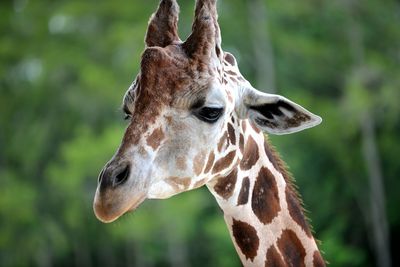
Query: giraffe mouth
[135,204]
[107,212]
[132,206]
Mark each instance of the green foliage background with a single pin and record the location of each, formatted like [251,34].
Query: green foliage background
[64,67]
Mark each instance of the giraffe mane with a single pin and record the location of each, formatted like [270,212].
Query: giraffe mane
[283,168]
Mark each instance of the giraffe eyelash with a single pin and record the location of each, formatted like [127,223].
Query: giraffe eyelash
[209,114]
[127,117]
[126,112]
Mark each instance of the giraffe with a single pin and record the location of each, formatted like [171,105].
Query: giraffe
[194,120]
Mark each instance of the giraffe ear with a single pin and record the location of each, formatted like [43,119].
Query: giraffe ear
[276,114]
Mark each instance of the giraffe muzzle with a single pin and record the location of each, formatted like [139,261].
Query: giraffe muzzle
[118,191]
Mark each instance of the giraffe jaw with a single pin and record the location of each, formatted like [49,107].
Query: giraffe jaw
[162,190]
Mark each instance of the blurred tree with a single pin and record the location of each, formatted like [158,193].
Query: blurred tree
[262,47]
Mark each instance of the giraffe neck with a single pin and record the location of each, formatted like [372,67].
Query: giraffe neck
[262,210]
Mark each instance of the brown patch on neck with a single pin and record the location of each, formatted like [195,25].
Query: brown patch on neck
[155,138]
[231,134]
[244,192]
[241,142]
[250,155]
[198,162]
[291,248]
[224,162]
[178,183]
[246,238]
[226,185]
[318,261]
[265,198]
[274,259]
[292,197]
[223,142]
[210,162]
[295,210]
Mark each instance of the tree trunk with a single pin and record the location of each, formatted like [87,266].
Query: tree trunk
[263,56]
[376,222]
[81,253]
[135,255]
[379,222]
[43,257]
[177,252]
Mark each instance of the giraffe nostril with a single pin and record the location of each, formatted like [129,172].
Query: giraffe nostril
[121,177]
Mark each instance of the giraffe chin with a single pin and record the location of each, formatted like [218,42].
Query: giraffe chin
[107,216]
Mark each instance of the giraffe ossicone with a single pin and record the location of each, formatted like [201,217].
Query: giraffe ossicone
[194,120]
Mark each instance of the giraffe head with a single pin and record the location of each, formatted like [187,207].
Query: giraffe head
[184,110]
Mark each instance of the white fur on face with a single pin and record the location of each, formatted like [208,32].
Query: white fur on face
[188,143]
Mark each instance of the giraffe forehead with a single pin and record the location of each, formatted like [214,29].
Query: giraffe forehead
[170,69]
[168,74]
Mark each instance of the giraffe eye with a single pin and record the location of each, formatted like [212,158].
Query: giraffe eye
[209,114]
[127,113]
[127,117]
